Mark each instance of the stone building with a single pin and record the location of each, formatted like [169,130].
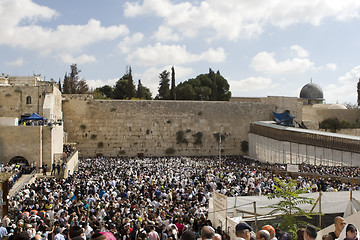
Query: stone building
[38,143]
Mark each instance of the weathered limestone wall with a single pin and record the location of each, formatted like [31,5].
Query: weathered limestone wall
[314,114]
[52,144]
[116,127]
[22,141]
[286,103]
[72,164]
[13,101]
[38,144]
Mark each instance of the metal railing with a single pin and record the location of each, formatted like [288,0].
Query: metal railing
[21,183]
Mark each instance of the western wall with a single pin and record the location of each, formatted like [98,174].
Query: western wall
[152,128]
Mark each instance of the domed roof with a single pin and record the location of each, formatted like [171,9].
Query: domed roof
[337,106]
[312,91]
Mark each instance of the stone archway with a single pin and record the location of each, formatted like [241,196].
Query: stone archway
[19,160]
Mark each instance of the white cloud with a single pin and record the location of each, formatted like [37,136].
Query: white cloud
[236,19]
[265,62]
[18,62]
[128,42]
[331,66]
[165,34]
[94,83]
[300,52]
[345,91]
[19,28]
[250,84]
[174,54]
[84,58]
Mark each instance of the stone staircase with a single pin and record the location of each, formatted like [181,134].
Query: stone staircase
[21,183]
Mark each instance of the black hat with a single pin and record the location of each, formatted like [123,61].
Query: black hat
[242,226]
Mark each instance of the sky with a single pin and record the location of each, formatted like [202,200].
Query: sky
[262,47]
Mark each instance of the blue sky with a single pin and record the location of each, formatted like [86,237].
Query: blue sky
[262,47]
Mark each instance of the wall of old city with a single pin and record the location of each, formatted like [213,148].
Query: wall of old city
[37,144]
[118,127]
[317,114]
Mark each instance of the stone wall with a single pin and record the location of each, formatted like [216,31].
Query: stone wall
[117,127]
[37,144]
[13,100]
[318,114]
[22,141]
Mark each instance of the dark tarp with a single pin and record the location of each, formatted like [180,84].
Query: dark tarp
[284,119]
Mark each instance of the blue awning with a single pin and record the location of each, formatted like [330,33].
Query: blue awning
[35,116]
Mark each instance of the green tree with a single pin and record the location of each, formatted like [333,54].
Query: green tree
[66,85]
[288,206]
[82,87]
[205,87]
[59,85]
[72,82]
[172,90]
[148,95]
[120,89]
[222,86]
[130,87]
[74,78]
[213,96]
[140,91]
[106,91]
[143,92]
[185,91]
[164,91]
[124,87]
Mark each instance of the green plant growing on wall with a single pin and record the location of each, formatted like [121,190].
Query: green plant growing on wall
[334,124]
[93,136]
[288,206]
[180,138]
[245,146]
[113,109]
[100,144]
[82,126]
[147,132]
[8,95]
[198,138]
[169,151]
[122,152]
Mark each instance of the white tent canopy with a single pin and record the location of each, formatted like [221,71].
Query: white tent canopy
[228,211]
[331,202]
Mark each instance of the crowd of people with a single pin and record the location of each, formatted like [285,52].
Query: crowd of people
[68,149]
[135,198]
[339,171]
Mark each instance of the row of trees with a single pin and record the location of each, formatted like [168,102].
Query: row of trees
[208,87]
[124,89]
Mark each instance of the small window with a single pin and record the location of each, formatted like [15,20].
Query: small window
[28,100]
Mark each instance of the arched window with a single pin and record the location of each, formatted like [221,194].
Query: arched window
[28,100]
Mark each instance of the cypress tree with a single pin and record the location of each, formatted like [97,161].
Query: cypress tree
[172,91]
